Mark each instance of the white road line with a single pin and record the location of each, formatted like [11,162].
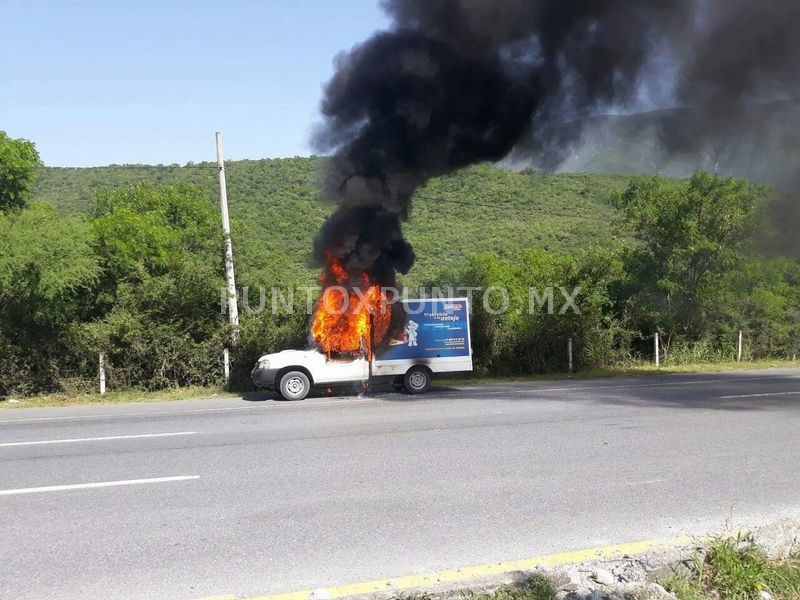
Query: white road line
[98,439]
[764,394]
[100,484]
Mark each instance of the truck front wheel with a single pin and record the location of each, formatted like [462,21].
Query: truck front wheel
[417,380]
[294,385]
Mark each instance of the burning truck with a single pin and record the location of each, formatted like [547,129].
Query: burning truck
[405,106]
[356,339]
[454,83]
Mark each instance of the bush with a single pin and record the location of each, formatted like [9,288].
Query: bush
[47,267]
[736,569]
[161,326]
[531,335]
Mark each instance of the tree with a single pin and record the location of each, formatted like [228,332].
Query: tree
[521,319]
[159,298]
[690,233]
[18,162]
[762,297]
[46,266]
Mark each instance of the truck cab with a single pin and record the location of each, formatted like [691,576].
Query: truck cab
[271,371]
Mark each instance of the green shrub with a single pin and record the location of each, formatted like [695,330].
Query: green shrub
[737,569]
[531,335]
[47,269]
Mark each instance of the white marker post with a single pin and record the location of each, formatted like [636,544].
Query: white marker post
[102,372]
[658,357]
[569,354]
[739,348]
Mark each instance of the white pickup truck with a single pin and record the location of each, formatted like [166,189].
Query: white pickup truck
[436,340]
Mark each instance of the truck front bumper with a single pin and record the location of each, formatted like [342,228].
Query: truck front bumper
[264,378]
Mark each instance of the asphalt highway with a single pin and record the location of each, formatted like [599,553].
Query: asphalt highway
[257,496]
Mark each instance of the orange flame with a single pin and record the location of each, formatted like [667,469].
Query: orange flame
[342,318]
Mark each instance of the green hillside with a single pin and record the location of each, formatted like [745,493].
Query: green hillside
[141,280]
[276,210]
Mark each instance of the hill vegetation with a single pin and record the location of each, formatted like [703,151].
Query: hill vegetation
[276,211]
[127,260]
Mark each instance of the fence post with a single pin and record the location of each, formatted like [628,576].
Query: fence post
[739,348]
[102,372]
[569,353]
[226,365]
[658,358]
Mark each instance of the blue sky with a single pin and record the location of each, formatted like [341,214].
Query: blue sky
[117,81]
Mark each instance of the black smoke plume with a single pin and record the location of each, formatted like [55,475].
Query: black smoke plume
[455,82]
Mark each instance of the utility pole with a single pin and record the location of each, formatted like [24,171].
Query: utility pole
[233,306]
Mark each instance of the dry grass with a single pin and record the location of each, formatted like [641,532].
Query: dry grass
[116,397]
[631,370]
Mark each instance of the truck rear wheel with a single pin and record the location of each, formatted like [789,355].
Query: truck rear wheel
[417,380]
[294,385]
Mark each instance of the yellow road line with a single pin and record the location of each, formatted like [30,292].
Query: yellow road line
[397,584]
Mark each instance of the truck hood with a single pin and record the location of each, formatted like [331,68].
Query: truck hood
[292,357]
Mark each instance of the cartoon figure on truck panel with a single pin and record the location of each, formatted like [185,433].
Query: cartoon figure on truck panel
[411,333]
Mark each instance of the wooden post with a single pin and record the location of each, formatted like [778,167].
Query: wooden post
[658,357]
[102,373]
[739,348]
[226,365]
[569,353]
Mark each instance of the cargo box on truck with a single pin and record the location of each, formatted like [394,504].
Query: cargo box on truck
[436,339]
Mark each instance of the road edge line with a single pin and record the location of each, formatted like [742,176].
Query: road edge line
[407,582]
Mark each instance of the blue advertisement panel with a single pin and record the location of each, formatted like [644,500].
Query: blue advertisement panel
[434,328]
